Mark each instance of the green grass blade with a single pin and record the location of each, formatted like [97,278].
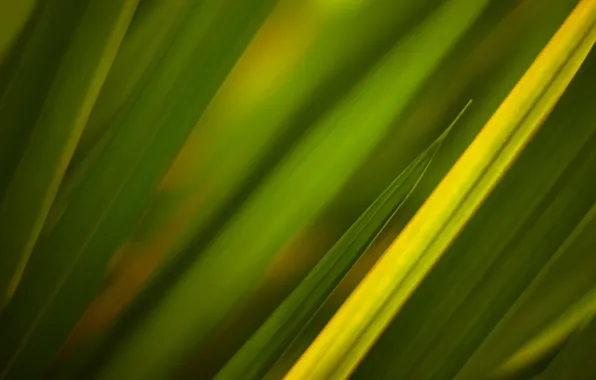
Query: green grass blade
[368,311]
[268,343]
[572,319]
[152,30]
[576,359]
[13,17]
[75,88]
[26,85]
[548,310]
[289,199]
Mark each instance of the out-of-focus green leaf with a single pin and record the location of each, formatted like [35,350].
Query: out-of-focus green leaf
[256,356]
[360,321]
[152,30]
[572,319]
[69,101]
[28,82]
[288,200]
[69,265]
[13,17]
[576,360]
[554,304]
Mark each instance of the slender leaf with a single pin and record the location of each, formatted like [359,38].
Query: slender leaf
[13,17]
[562,291]
[576,360]
[27,83]
[152,30]
[269,342]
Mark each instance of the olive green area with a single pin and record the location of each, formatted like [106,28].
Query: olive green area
[190,189]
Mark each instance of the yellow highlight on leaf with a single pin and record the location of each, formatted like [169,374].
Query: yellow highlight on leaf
[345,340]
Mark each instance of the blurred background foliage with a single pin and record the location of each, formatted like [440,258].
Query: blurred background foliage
[171,171]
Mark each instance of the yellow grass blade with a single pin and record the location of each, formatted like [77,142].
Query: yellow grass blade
[356,326]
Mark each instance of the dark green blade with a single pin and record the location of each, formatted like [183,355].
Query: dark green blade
[52,142]
[576,360]
[13,17]
[559,299]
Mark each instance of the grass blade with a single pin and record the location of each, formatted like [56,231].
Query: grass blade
[562,286]
[576,360]
[151,31]
[13,17]
[26,83]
